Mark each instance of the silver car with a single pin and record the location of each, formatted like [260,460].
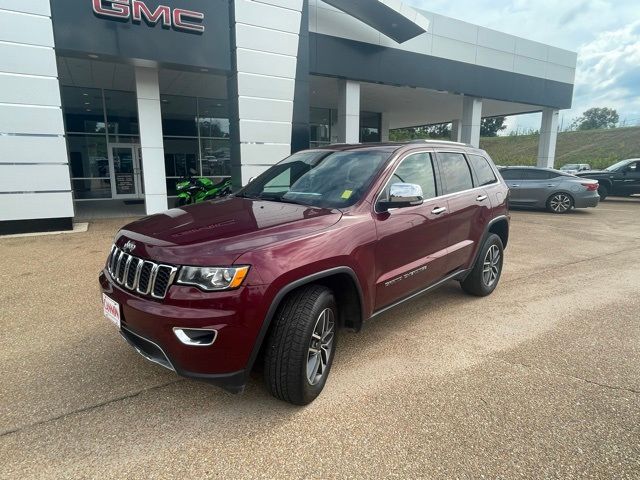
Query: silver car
[574,168]
[554,190]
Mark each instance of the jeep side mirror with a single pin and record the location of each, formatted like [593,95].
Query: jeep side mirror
[402,195]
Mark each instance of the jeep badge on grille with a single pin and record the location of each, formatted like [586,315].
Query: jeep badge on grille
[129,246]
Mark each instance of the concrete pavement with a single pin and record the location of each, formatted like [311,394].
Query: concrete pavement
[542,379]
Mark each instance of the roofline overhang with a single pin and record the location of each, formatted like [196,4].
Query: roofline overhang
[390,17]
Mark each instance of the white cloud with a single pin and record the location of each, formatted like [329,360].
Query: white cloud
[605,33]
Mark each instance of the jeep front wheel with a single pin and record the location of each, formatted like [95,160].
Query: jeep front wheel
[301,345]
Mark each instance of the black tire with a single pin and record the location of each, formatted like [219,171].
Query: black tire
[560,203]
[288,352]
[476,282]
[603,191]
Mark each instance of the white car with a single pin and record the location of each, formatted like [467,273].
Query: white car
[574,168]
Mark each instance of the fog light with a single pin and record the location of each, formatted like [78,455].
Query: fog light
[196,337]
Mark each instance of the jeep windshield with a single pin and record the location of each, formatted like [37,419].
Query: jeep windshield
[320,178]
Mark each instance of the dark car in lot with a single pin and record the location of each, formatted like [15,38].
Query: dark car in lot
[550,189]
[328,238]
[621,179]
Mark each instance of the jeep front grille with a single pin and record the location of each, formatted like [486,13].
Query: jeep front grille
[138,275]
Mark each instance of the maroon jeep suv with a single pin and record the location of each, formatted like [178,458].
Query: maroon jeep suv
[326,239]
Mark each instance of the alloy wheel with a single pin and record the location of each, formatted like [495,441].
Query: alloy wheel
[320,346]
[491,267]
[560,203]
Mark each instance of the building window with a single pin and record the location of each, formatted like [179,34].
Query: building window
[323,131]
[320,122]
[370,127]
[122,114]
[83,110]
[95,120]
[196,139]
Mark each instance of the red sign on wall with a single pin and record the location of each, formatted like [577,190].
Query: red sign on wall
[138,12]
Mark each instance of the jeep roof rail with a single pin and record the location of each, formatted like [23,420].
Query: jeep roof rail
[431,140]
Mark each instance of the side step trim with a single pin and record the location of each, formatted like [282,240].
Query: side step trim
[420,292]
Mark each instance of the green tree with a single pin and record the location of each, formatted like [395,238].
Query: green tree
[442,130]
[491,126]
[596,118]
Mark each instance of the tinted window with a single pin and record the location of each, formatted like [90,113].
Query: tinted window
[513,174]
[455,172]
[539,175]
[417,169]
[484,172]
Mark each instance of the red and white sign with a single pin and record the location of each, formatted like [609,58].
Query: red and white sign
[138,11]
[111,310]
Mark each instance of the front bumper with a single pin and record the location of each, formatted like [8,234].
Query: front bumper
[148,325]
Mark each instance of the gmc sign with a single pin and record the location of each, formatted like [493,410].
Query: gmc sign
[138,11]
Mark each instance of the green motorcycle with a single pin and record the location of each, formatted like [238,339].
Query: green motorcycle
[199,189]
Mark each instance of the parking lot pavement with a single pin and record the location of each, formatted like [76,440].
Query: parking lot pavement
[542,379]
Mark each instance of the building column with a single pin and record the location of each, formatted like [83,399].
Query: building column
[348,111]
[35,186]
[269,91]
[471,120]
[150,120]
[548,137]
[385,126]
[456,131]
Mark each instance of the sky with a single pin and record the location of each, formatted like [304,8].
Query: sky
[606,35]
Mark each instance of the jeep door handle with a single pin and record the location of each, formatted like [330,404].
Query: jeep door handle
[438,210]
[481,198]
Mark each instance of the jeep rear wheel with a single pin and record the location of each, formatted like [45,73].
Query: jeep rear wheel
[486,273]
[301,345]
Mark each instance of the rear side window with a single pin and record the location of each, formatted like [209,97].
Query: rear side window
[416,169]
[512,174]
[455,172]
[483,171]
[539,175]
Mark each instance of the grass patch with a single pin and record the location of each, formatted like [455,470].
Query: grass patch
[599,148]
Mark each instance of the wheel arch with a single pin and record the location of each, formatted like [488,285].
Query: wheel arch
[345,285]
[605,182]
[500,226]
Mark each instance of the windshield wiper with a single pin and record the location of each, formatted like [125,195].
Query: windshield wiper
[244,195]
[282,200]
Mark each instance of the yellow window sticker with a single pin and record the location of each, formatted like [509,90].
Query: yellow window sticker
[346,195]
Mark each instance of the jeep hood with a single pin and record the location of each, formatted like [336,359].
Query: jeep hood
[218,232]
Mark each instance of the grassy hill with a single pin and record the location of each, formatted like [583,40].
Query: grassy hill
[599,148]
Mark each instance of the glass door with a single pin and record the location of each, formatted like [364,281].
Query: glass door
[126,182]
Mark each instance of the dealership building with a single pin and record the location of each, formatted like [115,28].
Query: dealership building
[106,104]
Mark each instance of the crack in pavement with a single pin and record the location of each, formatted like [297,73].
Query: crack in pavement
[90,407]
[566,375]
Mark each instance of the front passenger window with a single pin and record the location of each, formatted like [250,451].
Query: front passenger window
[416,169]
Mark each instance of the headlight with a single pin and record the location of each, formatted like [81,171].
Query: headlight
[213,278]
